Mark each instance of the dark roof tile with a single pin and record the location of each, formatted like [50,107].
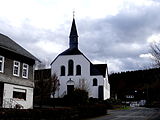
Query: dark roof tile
[10,45]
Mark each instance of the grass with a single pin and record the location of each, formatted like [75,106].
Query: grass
[120,107]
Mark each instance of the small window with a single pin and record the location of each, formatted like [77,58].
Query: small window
[25,71]
[19,93]
[62,70]
[95,82]
[16,68]
[70,67]
[1,64]
[78,70]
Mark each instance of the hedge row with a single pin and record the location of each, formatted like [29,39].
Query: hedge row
[37,114]
[53,113]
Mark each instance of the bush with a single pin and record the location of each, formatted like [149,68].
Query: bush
[38,114]
[77,97]
[82,111]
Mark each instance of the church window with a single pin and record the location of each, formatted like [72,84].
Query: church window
[62,70]
[70,67]
[94,82]
[78,70]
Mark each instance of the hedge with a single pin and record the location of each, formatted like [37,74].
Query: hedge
[66,113]
[38,114]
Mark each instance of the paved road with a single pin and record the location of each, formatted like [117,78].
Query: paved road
[137,113]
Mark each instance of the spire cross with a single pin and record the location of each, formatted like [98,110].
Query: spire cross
[73,14]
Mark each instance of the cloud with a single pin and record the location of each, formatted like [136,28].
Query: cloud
[154,38]
[120,36]
[148,55]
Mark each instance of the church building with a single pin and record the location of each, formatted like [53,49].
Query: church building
[75,70]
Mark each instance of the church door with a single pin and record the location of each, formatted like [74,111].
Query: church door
[70,89]
[100,92]
[1,93]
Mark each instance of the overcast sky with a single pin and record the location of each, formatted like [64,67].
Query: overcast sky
[116,32]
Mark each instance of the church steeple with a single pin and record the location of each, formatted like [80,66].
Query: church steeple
[73,37]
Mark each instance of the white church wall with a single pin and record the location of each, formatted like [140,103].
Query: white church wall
[85,74]
[63,60]
[78,60]
[8,96]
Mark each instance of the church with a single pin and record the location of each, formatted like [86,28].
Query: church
[75,70]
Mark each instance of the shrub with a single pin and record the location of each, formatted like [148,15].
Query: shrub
[38,114]
[77,97]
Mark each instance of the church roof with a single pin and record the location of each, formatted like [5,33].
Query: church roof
[71,51]
[10,45]
[98,69]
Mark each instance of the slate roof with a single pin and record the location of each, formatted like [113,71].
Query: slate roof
[10,45]
[98,69]
[71,51]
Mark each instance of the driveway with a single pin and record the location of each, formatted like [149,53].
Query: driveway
[137,113]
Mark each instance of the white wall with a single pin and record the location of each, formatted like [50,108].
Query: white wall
[8,93]
[85,74]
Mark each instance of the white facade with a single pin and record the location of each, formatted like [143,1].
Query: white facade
[10,100]
[77,80]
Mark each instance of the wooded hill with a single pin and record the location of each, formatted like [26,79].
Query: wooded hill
[145,82]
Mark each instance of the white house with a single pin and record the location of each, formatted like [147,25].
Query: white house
[75,70]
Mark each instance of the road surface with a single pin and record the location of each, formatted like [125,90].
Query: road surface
[137,113]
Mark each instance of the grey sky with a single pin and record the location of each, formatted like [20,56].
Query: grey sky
[117,33]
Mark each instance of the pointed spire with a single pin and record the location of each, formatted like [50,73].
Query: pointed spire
[73,31]
[73,35]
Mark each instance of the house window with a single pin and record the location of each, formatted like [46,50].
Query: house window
[19,93]
[25,70]
[78,70]
[70,67]
[1,64]
[95,82]
[16,68]
[62,70]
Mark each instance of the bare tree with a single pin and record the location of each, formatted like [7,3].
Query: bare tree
[83,84]
[155,51]
[45,84]
[54,84]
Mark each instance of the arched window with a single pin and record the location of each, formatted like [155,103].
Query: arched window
[78,70]
[62,70]
[94,82]
[70,67]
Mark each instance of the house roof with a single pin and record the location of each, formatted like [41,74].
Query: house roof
[10,45]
